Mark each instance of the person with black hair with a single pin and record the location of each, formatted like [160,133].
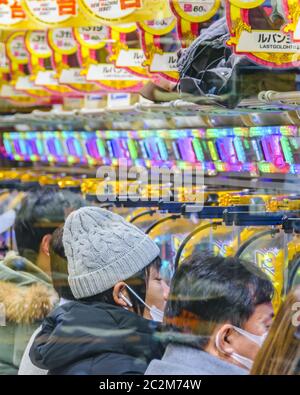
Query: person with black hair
[114,276]
[41,212]
[59,275]
[26,290]
[217,316]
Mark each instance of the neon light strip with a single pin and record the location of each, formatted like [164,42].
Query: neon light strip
[272,146]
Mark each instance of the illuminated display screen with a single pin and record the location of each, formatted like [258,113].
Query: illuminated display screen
[266,150]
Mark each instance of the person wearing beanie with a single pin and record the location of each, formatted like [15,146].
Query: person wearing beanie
[114,276]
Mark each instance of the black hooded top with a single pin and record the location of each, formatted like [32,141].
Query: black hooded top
[93,338]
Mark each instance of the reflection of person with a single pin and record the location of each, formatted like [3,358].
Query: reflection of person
[25,282]
[114,275]
[280,353]
[217,315]
[7,220]
[260,19]
[37,219]
[59,274]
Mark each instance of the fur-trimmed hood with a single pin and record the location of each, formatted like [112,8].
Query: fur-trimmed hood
[26,292]
[25,304]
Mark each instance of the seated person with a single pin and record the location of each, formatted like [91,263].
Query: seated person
[218,313]
[59,274]
[26,290]
[114,276]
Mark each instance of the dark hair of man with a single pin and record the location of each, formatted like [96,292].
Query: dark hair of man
[208,290]
[41,211]
[59,265]
[138,282]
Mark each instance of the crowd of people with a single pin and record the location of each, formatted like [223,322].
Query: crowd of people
[84,296]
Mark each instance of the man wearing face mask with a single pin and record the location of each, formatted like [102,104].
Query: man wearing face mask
[110,328]
[217,316]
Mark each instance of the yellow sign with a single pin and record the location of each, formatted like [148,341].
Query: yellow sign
[37,44]
[190,14]
[292,10]
[247,4]
[17,55]
[12,14]
[123,11]
[51,12]
[16,49]
[37,14]
[195,10]
[158,27]
[159,59]
[126,51]
[92,37]
[91,40]
[4,63]
[258,34]
[62,41]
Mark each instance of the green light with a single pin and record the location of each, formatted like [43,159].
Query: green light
[132,149]
[181,164]
[70,159]
[213,151]
[40,147]
[239,149]
[240,132]
[214,133]
[220,166]
[198,150]
[264,167]
[295,143]
[287,150]
[288,130]
[246,144]
[101,148]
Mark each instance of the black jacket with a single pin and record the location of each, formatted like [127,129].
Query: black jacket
[81,338]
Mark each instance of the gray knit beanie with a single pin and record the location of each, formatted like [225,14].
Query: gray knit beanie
[102,249]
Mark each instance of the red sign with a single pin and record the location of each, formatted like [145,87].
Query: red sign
[17,10]
[66,7]
[127,4]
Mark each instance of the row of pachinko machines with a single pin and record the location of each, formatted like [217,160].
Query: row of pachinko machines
[254,150]
[262,228]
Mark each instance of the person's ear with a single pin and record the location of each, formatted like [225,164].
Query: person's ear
[225,339]
[120,295]
[45,245]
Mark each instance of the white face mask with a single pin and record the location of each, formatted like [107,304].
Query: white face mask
[244,361]
[156,314]
[259,340]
